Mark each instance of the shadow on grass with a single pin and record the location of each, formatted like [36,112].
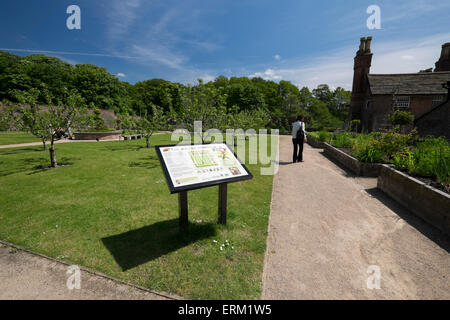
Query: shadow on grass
[5,152]
[417,223]
[124,146]
[148,163]
[33,165]
[136,247]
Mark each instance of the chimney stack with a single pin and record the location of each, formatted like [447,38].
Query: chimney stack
[361,69]
[368,43]
[362,46]
[443,64]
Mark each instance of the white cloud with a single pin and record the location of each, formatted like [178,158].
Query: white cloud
[277,57]
[159,54]
[121,15]
[336,69]
[121,75]
[269,74]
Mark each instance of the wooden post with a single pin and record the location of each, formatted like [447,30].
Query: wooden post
[223,203]
[183,203]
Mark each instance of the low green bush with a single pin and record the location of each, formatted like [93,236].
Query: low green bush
[430,158]
[324,136]
[367,149]
[342,140]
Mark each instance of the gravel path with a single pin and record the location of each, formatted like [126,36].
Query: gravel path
[327,227]
[24,275]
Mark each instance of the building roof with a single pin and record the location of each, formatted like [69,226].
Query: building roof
[409,83]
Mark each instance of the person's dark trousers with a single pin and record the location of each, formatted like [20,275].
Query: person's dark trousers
[298,150]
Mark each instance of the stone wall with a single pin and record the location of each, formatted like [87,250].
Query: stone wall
[430,204]
[110,135]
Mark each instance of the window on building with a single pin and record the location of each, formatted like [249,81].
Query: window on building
[401,103]
[437,100]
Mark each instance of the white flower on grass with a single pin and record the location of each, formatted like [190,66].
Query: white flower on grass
[215,241]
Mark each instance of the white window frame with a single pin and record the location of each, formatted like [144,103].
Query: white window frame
[402,102]
[437,100]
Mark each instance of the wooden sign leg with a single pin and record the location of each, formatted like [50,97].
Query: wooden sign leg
[183,203]
[223,203]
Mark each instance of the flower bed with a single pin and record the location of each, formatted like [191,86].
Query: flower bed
[351,163]
[427,158]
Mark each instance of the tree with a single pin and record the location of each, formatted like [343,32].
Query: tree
[148,124]
[323,93]
[339,103]
[125,122]
[29,116]
[203,103]
[401,118]
[50,123]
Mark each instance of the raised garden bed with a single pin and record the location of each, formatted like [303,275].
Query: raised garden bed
[106,135]
[313,142]
[351,163]
[427,202]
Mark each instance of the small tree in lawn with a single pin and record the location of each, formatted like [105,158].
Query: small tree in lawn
[148,124]
[202,103]
[29,116]
[53,123]
[7,116]
[126,123]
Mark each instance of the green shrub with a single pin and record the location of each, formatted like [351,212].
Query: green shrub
[324,136]
[429,158]
[342,140]
[392,142]
[355,123]
[367,149]
[401,118]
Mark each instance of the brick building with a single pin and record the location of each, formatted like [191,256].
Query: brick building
[375,96]
[435,121]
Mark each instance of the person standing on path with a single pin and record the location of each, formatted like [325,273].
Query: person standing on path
[298,138]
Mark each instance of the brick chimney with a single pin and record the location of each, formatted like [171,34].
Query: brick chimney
[443,64]
[361,69]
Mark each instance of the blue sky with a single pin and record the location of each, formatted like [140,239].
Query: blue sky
[306,42]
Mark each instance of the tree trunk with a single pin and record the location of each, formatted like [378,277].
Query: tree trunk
[147,140]
[44,144]
[53,163]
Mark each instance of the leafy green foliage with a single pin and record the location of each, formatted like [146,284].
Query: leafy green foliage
[51,123]
[282,102]
[149,123]
[355,123]
[342,140]
[429,158]
[401,118]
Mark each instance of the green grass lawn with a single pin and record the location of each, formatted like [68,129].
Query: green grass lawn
[111,211]
[13,137]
